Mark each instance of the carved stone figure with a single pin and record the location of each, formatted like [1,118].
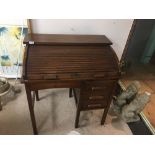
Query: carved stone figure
[126,96]
[4,85]
[129,112]
[129,103]
[5,90]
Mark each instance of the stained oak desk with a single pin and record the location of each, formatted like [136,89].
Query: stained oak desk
[86,62]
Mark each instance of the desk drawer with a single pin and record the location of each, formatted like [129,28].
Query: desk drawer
[94,101]
[87,101]
[97,87]
[96,104]
[95,94]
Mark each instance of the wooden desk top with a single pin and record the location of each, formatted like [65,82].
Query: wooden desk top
[63,39]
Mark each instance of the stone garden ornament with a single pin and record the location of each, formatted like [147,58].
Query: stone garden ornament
[129,103]
[5,89]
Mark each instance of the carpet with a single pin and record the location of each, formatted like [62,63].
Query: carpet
[55,115]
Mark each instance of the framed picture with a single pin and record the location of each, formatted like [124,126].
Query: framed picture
[12,34]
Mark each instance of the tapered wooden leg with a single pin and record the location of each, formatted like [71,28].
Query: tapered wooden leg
[70,92]
[37,95]
[77,117]
[75,96]
[0,104]
[105,114]
[29,99]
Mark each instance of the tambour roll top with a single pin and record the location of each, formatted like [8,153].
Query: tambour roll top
[69,57]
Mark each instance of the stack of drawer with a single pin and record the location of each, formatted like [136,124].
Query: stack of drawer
[95,94]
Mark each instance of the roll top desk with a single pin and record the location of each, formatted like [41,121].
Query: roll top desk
[84,63]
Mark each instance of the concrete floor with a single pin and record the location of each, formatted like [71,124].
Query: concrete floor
[55,114]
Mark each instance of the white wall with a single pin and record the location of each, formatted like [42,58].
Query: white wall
[116,30]
[13,22]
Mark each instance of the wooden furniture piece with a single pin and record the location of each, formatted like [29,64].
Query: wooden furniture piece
[69,61]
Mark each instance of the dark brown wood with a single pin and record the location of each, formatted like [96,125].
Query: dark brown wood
[70,92]
[33,98]
[86,62]
[39,85]
[108,103]
[70,62]
[37,95]
[63,39]
[30,103]
[94,95]
[77,115]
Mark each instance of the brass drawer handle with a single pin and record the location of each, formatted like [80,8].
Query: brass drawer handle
[50,77]
[96,97]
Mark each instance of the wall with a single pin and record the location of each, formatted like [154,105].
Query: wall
[13,22]
[116,30]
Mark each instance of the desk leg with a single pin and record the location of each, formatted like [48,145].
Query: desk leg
[77,116]
[70,92]
[29,99]
[105,114]
[37,95]
[0,104]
